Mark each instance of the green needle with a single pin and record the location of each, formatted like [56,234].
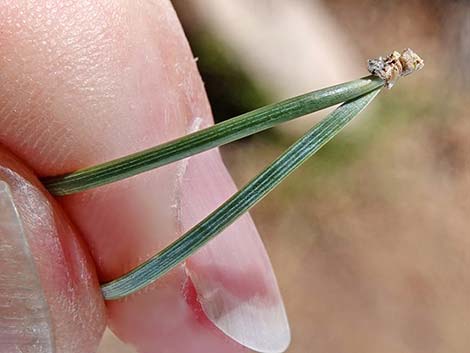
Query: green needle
[222,133]
[243,200]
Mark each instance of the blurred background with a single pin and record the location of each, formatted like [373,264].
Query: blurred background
[370,239]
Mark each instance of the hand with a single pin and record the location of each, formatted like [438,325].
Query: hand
[82,83]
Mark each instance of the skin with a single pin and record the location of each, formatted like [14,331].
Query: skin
[86,82]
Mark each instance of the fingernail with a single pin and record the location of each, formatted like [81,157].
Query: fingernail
[24,313]
[257,321]
[232,275]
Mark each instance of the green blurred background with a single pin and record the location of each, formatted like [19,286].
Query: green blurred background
[370,239]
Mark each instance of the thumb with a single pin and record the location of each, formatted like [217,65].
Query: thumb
[49,294]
